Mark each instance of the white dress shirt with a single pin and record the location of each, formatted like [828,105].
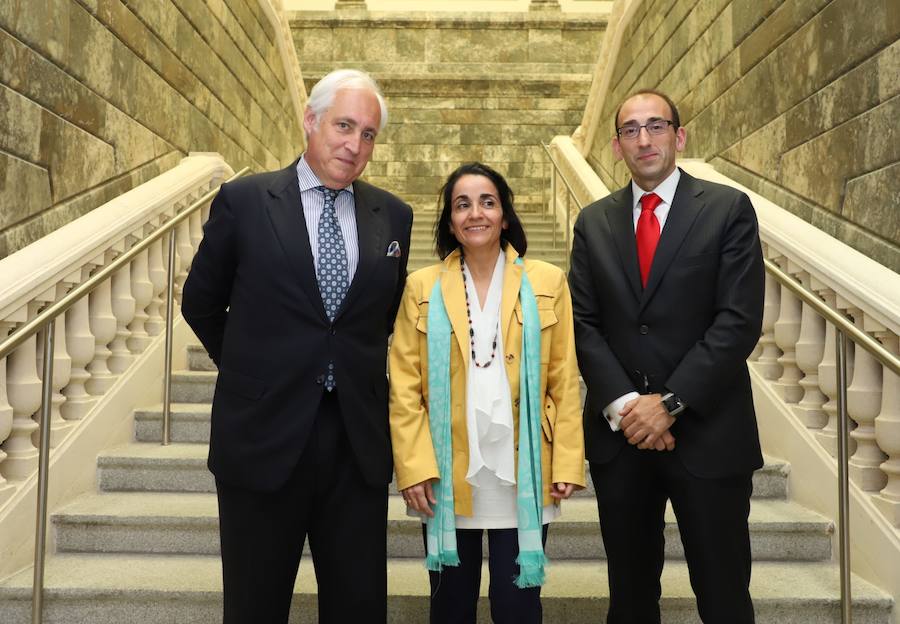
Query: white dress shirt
[666,192]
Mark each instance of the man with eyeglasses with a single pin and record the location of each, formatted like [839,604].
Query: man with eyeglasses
[667,285]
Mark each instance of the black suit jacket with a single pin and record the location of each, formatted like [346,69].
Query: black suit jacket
[689,331]
[253,300]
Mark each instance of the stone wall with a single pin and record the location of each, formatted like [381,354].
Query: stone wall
[797,99]
[98,96]
[425,42]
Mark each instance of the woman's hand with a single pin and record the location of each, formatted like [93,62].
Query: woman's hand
[419,496]
[560,491]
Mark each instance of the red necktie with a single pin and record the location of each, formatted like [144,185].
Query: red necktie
[647,234]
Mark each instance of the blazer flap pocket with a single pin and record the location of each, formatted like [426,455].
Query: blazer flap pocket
[548,317]
[240,384]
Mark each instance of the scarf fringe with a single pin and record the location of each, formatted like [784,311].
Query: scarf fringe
[531,569]
[435,563]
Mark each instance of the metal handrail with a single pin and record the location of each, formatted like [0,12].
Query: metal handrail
[571,191]
[845,329]
[45,322]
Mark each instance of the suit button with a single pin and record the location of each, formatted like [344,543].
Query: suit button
[644,330]
[320,379]
[510,357]
[332,331]
[516,402]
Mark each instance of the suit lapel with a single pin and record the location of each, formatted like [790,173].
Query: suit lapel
[370,237]
[621,223]
[454,293]
[686,206]
[512,280]
[286,213]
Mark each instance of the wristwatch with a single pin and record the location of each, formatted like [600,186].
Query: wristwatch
[673,404]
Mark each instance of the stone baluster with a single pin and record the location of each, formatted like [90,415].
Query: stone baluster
[827,435]
[62,372]
[103,327]
[863,405]
[157,271]
[123,308]
[767,361]
[887,434]
[195,226]
[23,390]
[809,351]
[81,345]
[787,332]
[6,419]
[142,290]
[184,255]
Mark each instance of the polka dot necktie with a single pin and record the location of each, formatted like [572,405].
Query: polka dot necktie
[332,273]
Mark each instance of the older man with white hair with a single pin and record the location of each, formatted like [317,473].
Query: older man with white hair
[293,293]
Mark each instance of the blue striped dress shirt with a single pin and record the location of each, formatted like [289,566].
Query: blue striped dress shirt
[344,206]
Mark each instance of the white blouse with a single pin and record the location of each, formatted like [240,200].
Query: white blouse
[489,418]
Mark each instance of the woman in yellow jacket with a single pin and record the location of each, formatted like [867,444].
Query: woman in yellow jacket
[485,408]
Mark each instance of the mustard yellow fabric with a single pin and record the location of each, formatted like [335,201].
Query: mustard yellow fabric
[562,451]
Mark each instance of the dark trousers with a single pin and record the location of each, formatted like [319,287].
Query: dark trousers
[632,490]
[455,589]
[326,499]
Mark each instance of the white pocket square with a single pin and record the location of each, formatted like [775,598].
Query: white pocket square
[393,250]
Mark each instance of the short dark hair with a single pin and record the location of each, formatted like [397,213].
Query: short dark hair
[514,234]
[676,118]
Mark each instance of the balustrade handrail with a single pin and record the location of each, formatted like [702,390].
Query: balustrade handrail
[52,311]
[571,190]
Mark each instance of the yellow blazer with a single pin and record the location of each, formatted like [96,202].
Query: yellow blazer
[562,449]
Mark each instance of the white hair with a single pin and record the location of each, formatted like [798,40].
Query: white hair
[323,93]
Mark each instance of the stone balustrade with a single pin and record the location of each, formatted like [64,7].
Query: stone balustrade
[796,351]
[99,337]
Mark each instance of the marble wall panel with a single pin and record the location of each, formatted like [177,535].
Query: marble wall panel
[872,199]
[24,189]
[818,169]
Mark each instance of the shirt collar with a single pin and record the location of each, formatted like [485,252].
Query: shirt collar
[309,180]
[665,189]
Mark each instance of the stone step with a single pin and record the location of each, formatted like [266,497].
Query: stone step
[430,185]
[465,82]
[107,589]
[187,523]
[500,155]
[473,113]
[181,467]
[478,71]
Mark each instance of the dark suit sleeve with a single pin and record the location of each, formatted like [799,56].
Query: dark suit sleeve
[404,262]
[713,362]
[603,374]
[207,289]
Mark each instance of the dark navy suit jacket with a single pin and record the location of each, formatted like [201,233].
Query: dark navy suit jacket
[253,300]
[689,331]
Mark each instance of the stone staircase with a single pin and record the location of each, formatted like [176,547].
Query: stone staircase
[144,546]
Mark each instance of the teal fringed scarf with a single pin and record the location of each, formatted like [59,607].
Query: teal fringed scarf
[441,529]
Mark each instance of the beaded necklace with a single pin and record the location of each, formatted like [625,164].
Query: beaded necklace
[471,330]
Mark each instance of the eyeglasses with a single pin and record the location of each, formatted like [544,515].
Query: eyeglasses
[657,126]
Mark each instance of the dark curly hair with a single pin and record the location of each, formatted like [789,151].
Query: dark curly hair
[444,240]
